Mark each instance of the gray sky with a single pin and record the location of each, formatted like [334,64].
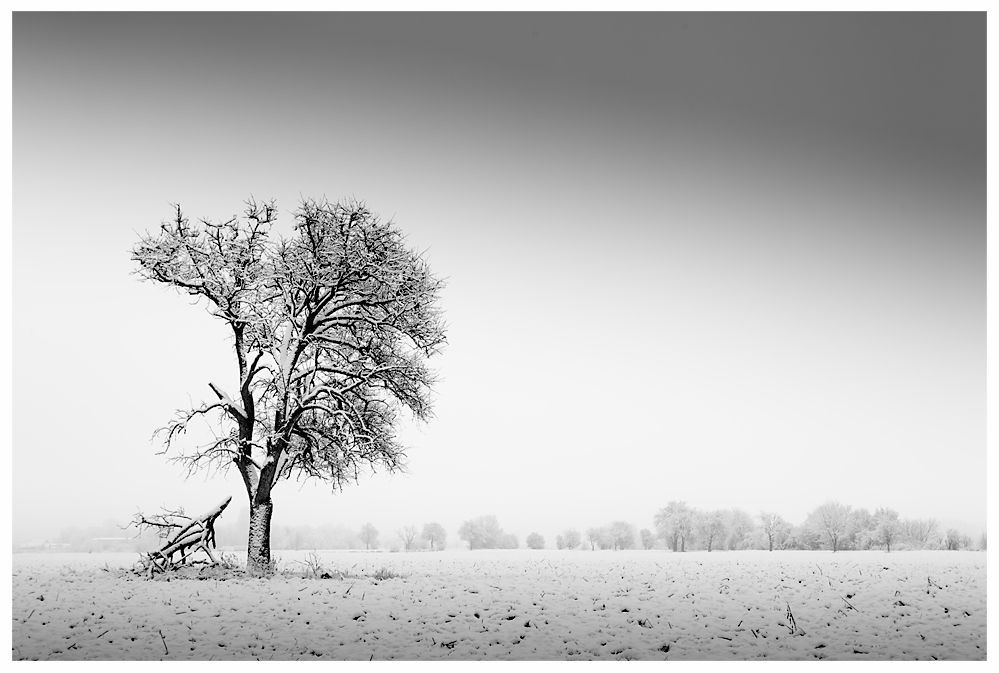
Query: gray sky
[737,260]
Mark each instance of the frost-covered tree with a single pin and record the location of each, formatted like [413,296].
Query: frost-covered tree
[648,539]
[332,331]
[886,527]
[484,532]
[774,527]
[595,536]
[508,541]
[919,532]
[983,542]
[741,529]
[621,535]
[675,524]
[535,541]
[434,534]
[571,538]
[711,527]
[406,535]
[954,540]
[369,536]
[831,521]
[862,529]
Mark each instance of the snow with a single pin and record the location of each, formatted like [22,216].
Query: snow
[512,605]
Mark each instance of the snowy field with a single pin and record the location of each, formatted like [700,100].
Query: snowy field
[512,605]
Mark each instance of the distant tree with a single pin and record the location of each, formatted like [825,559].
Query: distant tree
[535,541]
[369,536]
[621,535]
[953,540]
[804,536]
[571,538]
[594,536]
[508,541]
[559,542]
[434,534]
[483,532]
[982,542]
[831,521]
[332,331]
[470,533]
[648,539]
[862,529]
[406,535]
[675,524]
[666,529]
[886,527]
[919,532]
[711,527]
[774,527]
[741,529]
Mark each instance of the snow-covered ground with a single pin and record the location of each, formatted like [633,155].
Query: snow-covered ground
[513,605]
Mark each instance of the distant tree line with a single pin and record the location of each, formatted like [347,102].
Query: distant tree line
[677,527]
[833,526]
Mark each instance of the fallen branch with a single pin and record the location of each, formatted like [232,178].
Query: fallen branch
[196,535]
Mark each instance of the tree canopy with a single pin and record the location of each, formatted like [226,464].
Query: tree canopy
[333,328]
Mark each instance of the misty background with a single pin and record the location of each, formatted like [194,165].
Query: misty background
[737,260]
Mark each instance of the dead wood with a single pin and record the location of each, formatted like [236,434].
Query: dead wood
[197,534]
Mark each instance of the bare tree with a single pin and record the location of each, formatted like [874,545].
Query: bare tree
[434,534]
[332,331]
[648,539]
[774,527]
[535,541]
[407,534]
[369,536]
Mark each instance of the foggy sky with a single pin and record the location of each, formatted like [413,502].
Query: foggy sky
[732,259]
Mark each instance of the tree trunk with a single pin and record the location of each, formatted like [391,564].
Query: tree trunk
[258,548]
[771,543]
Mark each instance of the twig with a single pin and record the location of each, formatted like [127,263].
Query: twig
[791,626]
[849,603]
[164,643]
